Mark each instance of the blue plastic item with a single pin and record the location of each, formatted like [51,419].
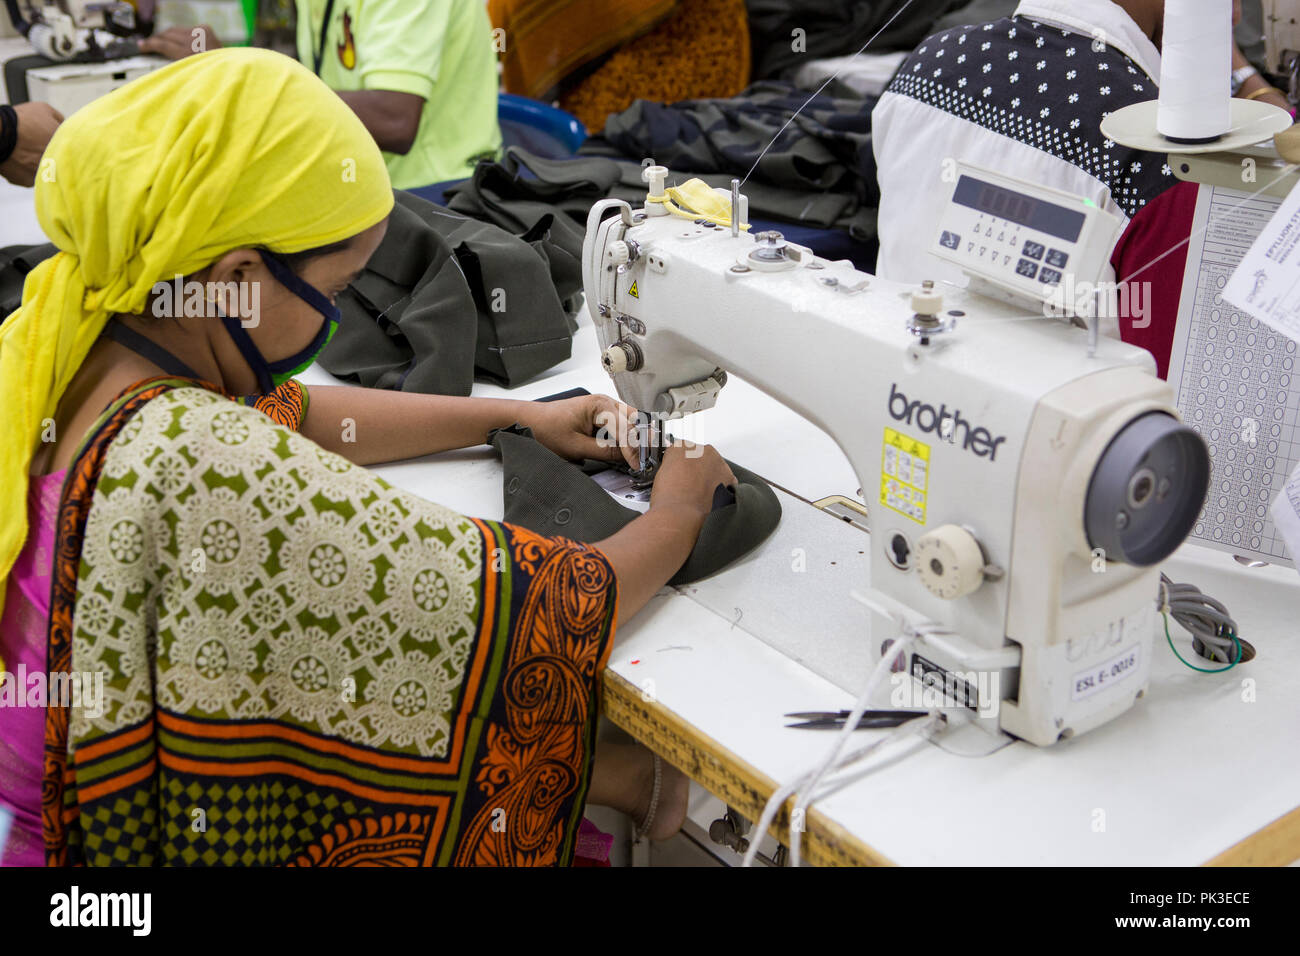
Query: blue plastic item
[539,128]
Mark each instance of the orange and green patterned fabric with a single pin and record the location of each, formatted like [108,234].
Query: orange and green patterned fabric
[303,665]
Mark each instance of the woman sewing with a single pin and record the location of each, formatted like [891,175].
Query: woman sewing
[280,659]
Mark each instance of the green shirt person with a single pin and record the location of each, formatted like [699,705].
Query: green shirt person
[420,74]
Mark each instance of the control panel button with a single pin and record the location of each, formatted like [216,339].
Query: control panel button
[1057,258]
[1033,250]
[1026,268]
[1049,276]
[949,240]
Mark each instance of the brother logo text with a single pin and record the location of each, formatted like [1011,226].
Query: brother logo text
[928,419]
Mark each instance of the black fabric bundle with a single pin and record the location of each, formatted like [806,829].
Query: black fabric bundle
[826,149]
[785,34]
[446,299]
[522,188]
[15,263]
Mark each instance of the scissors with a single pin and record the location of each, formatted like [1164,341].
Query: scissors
[834,720]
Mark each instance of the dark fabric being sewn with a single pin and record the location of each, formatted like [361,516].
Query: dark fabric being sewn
[551,496]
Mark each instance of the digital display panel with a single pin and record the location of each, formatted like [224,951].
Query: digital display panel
[1019,208]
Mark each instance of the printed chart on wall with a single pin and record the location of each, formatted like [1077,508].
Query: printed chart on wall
[1234,377]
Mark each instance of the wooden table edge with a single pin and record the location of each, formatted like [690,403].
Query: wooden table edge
[1276,844]
[718,770]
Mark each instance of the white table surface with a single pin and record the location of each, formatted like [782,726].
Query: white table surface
[1193,769]
[18,223]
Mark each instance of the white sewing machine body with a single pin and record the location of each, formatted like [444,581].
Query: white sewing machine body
[976,448]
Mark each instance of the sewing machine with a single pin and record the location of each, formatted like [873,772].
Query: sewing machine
[77,30]
[73,52]
[1022,485]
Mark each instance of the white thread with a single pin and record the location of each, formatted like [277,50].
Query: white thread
[1195,70]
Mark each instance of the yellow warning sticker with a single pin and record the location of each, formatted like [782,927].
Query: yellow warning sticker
[904,475]
[632,292]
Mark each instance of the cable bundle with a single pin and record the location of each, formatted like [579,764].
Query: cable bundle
[1214,632]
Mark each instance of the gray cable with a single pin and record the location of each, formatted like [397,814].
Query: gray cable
[1211,625]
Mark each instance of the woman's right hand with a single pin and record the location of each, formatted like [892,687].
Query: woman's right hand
[688,476]
[651,549]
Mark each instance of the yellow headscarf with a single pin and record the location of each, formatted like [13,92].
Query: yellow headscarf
[161,177]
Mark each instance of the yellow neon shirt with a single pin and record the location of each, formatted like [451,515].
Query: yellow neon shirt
[438,49]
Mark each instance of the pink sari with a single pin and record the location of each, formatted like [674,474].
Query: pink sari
[23,631]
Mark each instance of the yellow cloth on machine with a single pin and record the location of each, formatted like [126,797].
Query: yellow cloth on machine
[698,197]
[231,148]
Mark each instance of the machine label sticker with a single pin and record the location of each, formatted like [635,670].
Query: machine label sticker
[632,291]
[1105,675]
[904,475]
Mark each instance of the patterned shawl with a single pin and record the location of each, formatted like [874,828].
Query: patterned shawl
[303,665]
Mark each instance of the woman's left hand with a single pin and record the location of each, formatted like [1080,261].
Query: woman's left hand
[567,427]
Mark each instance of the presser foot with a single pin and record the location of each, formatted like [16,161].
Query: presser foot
[644,477]
[641,480]
[651,443]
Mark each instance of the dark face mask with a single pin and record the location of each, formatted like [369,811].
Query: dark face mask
[271,375]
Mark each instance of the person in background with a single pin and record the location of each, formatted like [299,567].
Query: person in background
[420,74]
[25,131]
[1024,95]
[1152,253]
